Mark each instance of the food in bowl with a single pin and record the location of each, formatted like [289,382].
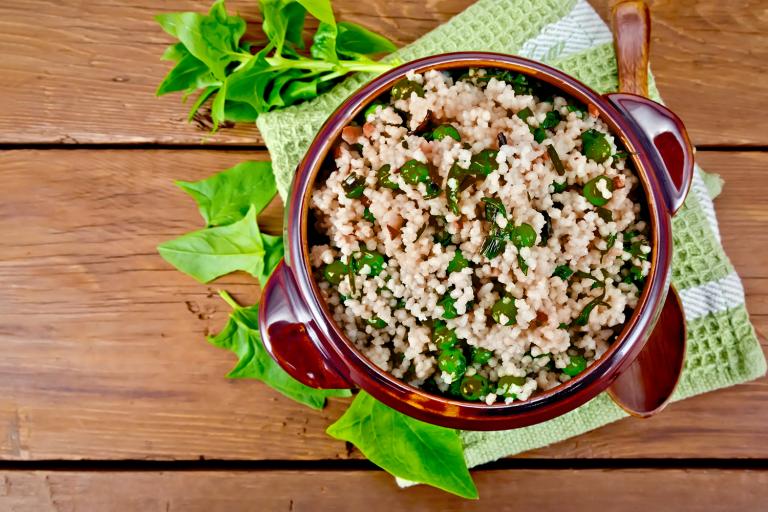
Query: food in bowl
[478,235]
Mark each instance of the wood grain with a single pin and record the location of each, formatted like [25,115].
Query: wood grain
[630,490]
[85,72]
[102,341]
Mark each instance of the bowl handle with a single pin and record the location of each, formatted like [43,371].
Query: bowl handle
[666,142]
[645,388]
[290,336]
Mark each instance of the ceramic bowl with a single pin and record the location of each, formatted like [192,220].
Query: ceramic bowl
[298,329]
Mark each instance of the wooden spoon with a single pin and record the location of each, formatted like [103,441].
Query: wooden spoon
[646,386]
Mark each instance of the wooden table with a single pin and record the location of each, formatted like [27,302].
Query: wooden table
[110,398]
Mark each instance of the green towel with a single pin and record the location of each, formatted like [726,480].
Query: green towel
[722,347]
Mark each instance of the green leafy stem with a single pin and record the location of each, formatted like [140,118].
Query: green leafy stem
[242,82]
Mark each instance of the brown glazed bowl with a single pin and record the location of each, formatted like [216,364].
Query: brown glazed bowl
[299,332]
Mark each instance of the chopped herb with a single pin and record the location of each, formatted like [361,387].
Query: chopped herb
[493,245]
[367,215]
[605,214]
[563,272]
[583,317]
[524,114]
[551,119]
[376,322]
[481,355]
[611,241]
[559,187]
[581,109]
[458,262]
[484,162]
[539,134]
[576,365]
[555,158]
[371,109]
[493,207]
[448,304]
[385,179]
[354,186]
[522,263]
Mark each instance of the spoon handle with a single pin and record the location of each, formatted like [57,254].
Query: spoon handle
[631,20]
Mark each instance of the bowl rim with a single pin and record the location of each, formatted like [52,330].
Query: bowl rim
[444,410]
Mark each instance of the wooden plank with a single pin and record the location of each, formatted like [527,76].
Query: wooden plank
[102,341]
[520,490]
[85,72]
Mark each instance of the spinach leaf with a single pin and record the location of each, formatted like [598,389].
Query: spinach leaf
[406,447]
[354,40]
[226,197]
[273,253]
[320,9]
[241,336]
[189,74]
[213,39]
[244,83]
[324,42]
[213,252]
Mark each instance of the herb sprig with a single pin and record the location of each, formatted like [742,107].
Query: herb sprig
[212,57]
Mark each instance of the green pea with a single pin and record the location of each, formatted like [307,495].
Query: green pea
[595,146]
[506,382]
[523,235]
[335,272]
[353,186]
[373,259]
[483,163]
[414,172]
[443,337]
[592,193]
[481,355]
[376,322]
[367,215]
[473,387]
[446,130]
[384,178]
[577,365]
[458,262]
[505,306]
[539,134]
[371,109]
[404,88]
[452,362]
[449,306]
